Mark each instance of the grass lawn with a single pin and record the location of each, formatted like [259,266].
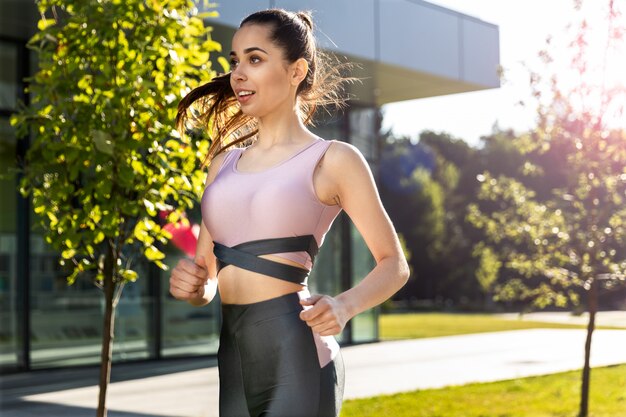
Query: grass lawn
[420,325]
[545,396]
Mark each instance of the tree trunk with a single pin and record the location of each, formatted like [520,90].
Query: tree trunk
[592,300]
[107,332]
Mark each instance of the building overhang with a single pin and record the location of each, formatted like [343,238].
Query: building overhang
[407,49]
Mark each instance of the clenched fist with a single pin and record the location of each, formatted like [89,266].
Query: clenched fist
[190,282]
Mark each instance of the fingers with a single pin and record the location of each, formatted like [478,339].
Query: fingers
[327,325]
[322,317]
[320,305]
[183,273]
[188,279]
[181,294]
[311,300]
[193,268]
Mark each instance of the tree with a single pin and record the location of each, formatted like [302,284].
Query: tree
[570,242]
[106,156]
[420,186]
[414,201]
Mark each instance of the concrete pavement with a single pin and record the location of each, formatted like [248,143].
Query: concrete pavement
[188,388]
[603,318]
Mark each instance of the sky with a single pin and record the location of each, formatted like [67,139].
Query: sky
[523,28]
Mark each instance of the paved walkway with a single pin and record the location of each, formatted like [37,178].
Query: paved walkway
[188,388]
[603,318]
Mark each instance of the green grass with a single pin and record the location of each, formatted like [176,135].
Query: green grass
[420,325]
[546,396]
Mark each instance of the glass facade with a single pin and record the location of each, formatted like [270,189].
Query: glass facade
[363,133]
[8,245]
[47,323]
[9,324]
[66,321]
[186,330]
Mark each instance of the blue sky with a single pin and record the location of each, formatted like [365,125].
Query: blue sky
[523,27]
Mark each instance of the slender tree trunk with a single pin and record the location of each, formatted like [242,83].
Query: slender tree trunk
[592,299]
[107,332]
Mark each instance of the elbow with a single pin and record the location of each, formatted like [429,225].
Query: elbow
[404,271]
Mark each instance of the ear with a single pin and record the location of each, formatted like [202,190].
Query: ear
[299,70]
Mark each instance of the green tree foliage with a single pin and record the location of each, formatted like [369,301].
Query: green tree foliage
[563,216]
[571,240]
[105,157]
[414,202]
[429,204]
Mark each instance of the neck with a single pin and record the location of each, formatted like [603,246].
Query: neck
[279,128]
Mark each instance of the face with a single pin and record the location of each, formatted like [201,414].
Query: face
[261,78]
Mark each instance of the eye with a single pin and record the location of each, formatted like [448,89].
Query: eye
[254,59]
[233,63]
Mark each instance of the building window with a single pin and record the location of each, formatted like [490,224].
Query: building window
[9,79]
[66,321]
[8,254]
[9,325]
[186,330]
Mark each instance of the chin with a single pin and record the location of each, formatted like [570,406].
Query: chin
[253,112]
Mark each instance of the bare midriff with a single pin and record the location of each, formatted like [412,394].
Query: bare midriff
[240,286]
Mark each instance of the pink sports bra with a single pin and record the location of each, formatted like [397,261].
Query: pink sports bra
[241,208]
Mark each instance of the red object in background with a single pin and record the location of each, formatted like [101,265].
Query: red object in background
[184,235]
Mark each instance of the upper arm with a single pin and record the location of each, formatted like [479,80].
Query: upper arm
[204,246]
[359,198]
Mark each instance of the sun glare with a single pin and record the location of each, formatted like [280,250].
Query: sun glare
[590,59]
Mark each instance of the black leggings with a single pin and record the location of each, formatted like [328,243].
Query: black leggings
[268,363]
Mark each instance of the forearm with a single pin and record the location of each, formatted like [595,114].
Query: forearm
[389,275]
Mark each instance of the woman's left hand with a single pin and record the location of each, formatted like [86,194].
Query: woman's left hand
[326,317]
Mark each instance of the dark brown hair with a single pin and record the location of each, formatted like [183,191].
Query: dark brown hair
[213,106]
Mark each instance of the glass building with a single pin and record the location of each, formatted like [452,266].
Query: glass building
[46,323]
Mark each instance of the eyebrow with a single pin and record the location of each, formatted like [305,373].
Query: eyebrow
[248,50]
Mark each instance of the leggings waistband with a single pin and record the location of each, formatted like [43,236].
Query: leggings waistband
[237,315]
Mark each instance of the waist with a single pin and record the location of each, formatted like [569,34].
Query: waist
[241,286]
[255,261]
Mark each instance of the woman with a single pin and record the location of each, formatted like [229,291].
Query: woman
[266,209]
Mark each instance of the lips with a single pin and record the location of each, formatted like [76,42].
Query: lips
[244,95]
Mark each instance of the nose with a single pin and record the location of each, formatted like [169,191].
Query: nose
[238,74]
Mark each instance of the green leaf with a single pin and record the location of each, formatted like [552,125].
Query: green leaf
[72,277]
[224,63]
[153,253]
[103,141]
[129,275]
[138,167]
[149,207]
[44,24]
[161,265]
[99,237]
[68,253]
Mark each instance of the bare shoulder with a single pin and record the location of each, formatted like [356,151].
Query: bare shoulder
[340,153]
[341,158]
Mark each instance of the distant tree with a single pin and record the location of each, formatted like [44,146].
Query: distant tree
[420,187]
[571,241]
[414,204]
[105,156]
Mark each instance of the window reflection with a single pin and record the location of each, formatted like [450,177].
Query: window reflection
[8,76]
[66,321]
[8,253]
[187,330]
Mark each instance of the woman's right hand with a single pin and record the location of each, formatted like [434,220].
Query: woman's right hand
[189,280]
